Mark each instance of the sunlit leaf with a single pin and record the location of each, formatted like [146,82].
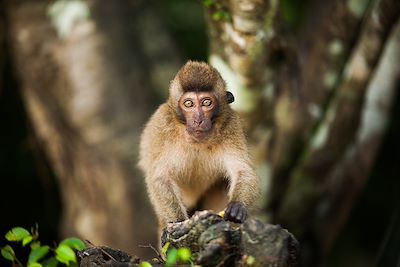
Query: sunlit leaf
[165,249]
[17,234]
[26,240]
[37,254]
[184,255]
[74,243]
[172,257]
[35,264]
[145,264]
[8,253]
[65,254]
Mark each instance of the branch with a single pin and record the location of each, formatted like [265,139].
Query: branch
[340,122]
[345,182]
[324,44]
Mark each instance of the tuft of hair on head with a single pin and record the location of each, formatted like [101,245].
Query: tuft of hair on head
[197,77]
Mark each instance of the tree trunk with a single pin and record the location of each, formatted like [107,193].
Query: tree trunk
[2,47]
[87,94]
[314,116]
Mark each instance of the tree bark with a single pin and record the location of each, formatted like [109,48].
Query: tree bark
[337,130]
[213,241]
[306,97]
[2,46]
[87,94]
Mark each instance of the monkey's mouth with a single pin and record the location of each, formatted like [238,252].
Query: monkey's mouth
[199,134]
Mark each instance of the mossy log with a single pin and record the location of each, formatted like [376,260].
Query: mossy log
[213,241]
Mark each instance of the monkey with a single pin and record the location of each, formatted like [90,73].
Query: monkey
[193,151]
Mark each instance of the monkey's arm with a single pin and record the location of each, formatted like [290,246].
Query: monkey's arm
[156,164]
[244,186]
[165,197]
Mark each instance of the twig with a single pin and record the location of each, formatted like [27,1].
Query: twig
[159,256]
[222,262]
[19,263]
[102,250]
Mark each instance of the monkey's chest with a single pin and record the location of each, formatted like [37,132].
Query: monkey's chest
[199,172]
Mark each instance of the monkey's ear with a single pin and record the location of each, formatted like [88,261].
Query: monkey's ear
[229,97]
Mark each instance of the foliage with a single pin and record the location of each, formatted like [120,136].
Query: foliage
[39,254]
[174,256]
[218,11]
[145,264]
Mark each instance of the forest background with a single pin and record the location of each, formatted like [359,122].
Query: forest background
[316,83]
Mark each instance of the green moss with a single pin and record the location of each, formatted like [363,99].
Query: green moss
[217,10]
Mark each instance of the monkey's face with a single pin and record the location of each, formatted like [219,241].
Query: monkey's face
[197,110]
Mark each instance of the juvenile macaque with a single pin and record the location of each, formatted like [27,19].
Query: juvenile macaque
[193,150]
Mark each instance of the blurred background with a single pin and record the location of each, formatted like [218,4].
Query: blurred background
[316,83]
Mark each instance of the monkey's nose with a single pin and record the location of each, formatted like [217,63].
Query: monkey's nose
[199,122]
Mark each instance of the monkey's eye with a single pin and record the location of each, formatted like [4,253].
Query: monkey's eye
[207,102]
[188,103]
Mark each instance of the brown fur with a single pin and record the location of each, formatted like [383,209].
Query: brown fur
[196,77]
[183,175]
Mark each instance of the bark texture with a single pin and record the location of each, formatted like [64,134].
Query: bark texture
[215,242]
[308,98]
[87,94]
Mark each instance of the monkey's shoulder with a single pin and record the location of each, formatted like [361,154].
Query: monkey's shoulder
[159,127]
[231,129]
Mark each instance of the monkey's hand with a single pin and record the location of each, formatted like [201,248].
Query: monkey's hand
[235,212]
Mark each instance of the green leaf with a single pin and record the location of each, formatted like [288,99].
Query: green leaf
[17,234]
[65,254]
[184,255]
[35,244]
[217,15]
[74,243]
[165,249]
[220,15]
[50,262]
[145,264]
[37,254]
[8,253]
[35,264]
[27,240]
[208,3]
[172,257]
